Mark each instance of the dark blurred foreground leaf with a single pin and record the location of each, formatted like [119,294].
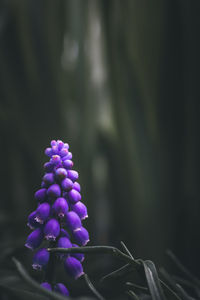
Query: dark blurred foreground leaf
[21,294]
[153,280]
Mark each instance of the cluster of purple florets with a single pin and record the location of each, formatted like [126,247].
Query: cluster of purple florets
[58,217]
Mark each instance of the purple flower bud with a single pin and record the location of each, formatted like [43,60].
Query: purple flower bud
[32,222]
[64,233]
[60,144]
[40,195]
[61,173]
[48,167]
[67,184]
[52,230]
[63,152]
[55,159]
[68,164]
[60,207]
[53,143]
[42,212]
[66,145]
[73,221]
[61,289]
[48,178]
[74,196]
[46,285]
[54,191]
[72,174]
[34,239]
[73,267]
[48,152]
[81,236]
[40,259]
[63,242]
[79,256]
[77,186]
[55,150]
[80,209]
[68,156]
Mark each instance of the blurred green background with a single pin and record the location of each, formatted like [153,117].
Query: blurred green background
[119,81]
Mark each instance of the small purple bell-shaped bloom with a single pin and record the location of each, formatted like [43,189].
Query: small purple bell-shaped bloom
[40,259]
[67,184]
[48,179]
[73,221]
[77,186]
[63,152]
[73,175]
[81,236]
[53,143]
[73,267]
[74,196]
[32,222]
[67,157]
[40,195]
[48,152]
[68,164]
[34,239]
[63,242]
[55,159]
[60,145]
[52,230]
[60,207]
[46,285]
[66,145]
[80,209]
[61,173]
[42,212]
[48,167]
[54,191]
[55,150]
[79,256]
[61,289]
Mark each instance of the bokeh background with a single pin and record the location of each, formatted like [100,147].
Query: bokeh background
[119,81]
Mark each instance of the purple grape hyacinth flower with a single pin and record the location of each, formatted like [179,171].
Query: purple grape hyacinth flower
[73,221]
[34,239]
[81,236]
[40,259]
[61,289]
[46,285]
[81,210]
[40,194]
[57,220]
[52,230]
[42,212]
[63,242]
[73,267]
[32,223]
[61,207]
[74,196]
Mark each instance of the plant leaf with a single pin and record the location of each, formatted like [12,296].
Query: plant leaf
[153,280]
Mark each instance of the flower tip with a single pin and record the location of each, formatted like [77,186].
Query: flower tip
[27,245]
[37,267]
